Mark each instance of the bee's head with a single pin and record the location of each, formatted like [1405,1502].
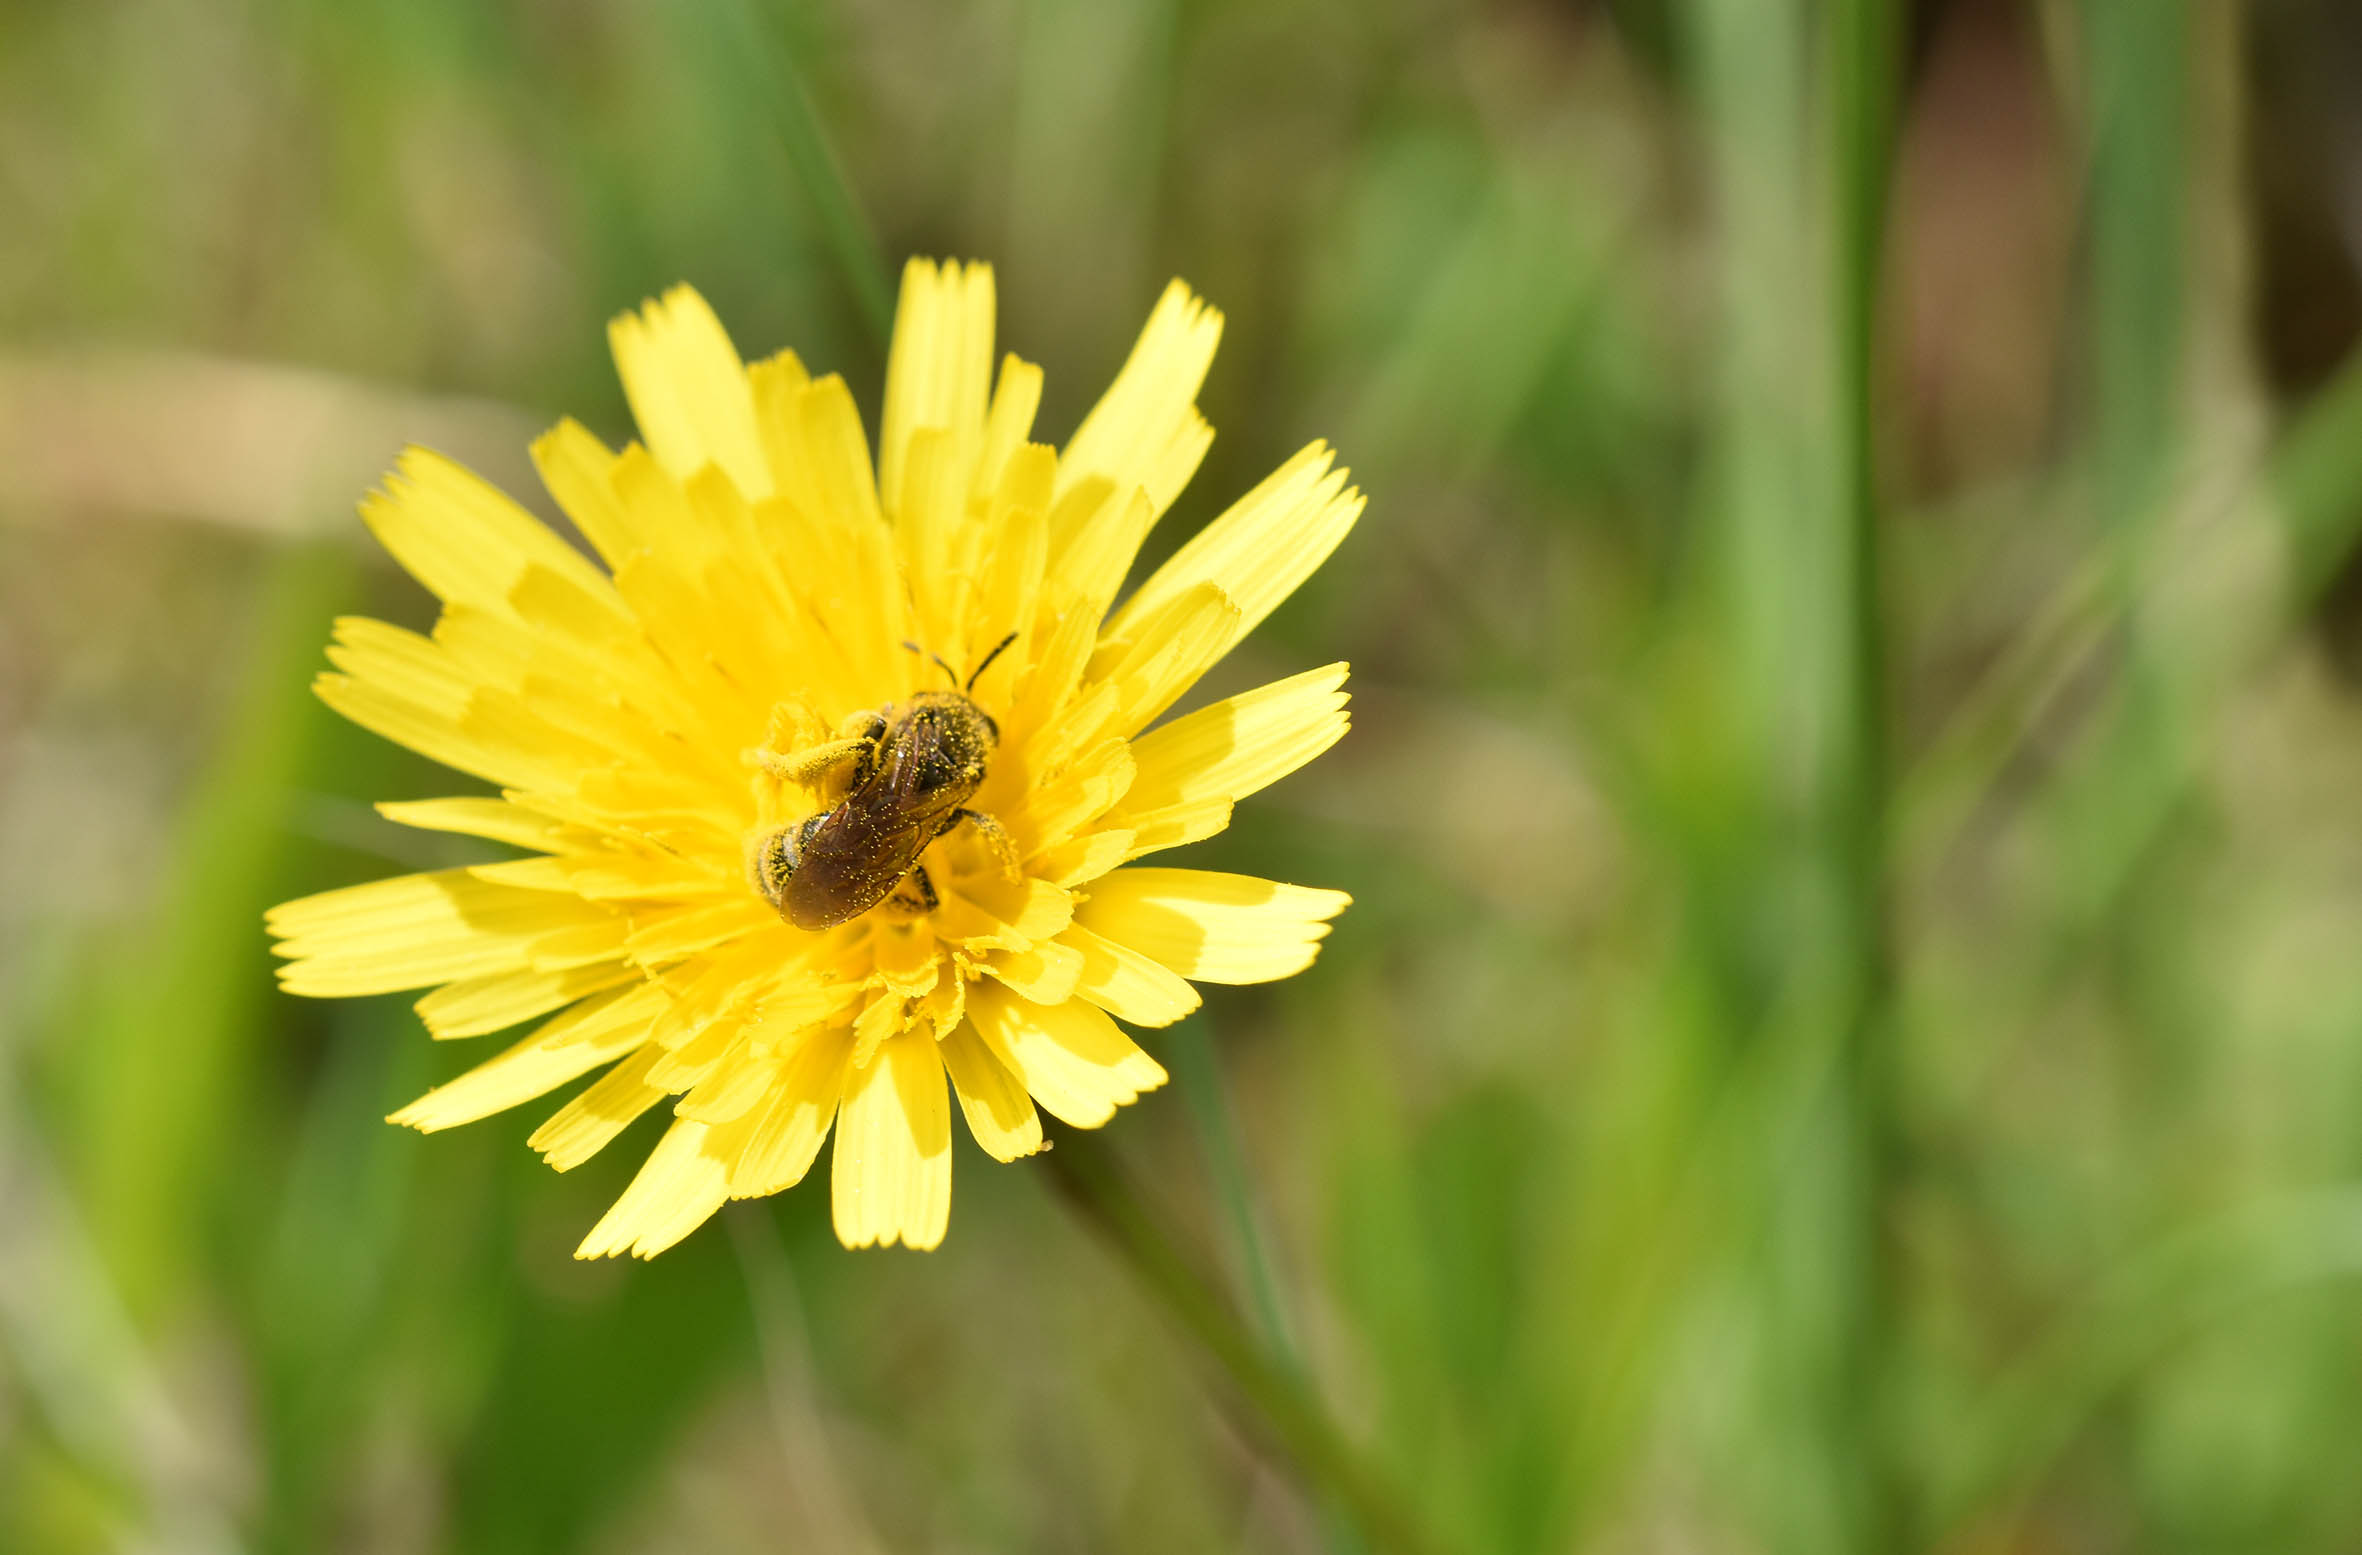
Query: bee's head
[959,723]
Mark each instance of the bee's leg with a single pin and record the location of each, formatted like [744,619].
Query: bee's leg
[996,839]
[916,894]
[869,730]
[854,754]
[813,763]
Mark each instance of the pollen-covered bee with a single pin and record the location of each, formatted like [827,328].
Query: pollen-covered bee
[913,770]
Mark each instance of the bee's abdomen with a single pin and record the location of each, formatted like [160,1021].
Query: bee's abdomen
[850,864]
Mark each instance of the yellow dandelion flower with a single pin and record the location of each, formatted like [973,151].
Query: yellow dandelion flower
[832,782]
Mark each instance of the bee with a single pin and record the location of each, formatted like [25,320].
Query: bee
[913,769]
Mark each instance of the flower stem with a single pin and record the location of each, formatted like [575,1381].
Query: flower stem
[1863,43]
[1097,1187]
[1086,1172]
[1190,1049]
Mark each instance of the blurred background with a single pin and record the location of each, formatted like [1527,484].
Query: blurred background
[1850,1037]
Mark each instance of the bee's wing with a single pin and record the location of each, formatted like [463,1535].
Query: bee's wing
[853,859]
[919,766]
[902,785]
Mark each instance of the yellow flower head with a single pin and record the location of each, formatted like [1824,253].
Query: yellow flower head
[894,708]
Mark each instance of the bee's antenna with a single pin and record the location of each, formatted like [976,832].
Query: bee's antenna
[978,673]
[937,657]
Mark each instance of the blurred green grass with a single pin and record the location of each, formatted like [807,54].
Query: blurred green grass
[1850,1034]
